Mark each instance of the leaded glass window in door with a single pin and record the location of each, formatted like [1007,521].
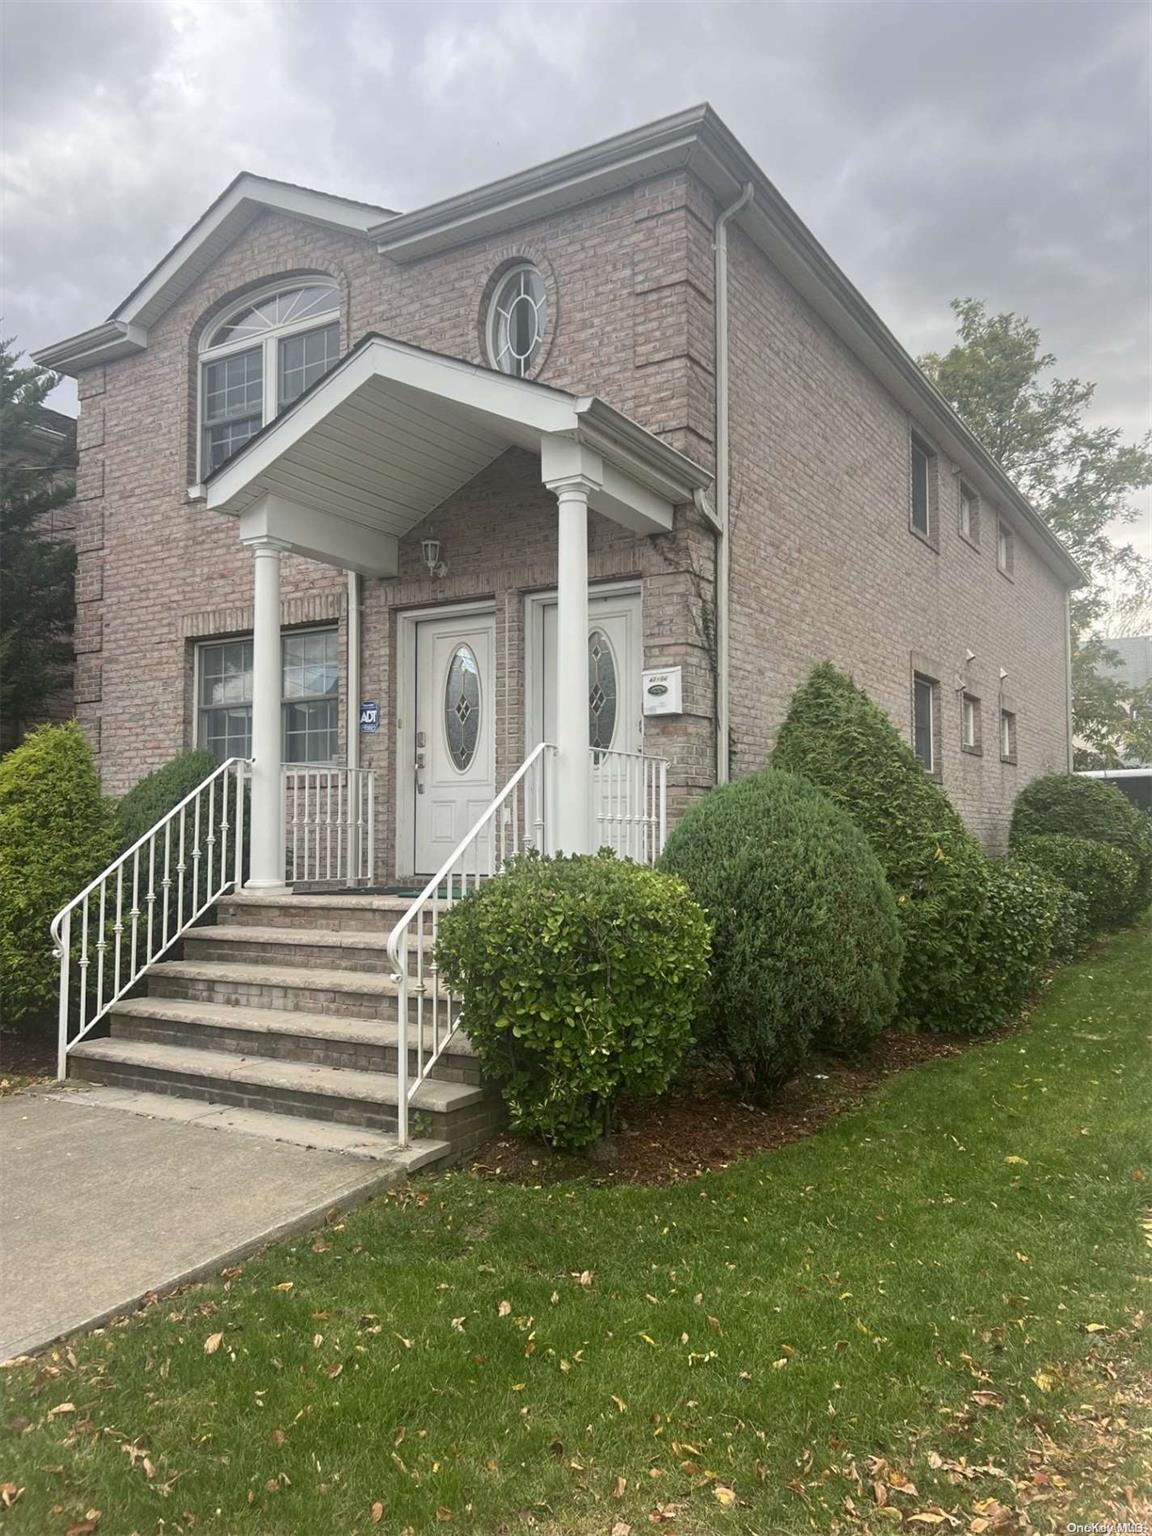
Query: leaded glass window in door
[462,706]
[602,691]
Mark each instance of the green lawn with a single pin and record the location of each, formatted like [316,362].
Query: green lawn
[948,1279]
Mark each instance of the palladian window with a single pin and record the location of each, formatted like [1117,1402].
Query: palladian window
[260,359]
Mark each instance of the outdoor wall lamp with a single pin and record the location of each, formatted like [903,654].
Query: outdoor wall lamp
[430,549]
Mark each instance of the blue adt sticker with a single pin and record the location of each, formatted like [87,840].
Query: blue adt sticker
[369,716]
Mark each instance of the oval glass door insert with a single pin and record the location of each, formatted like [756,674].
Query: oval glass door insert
[462,707]
[601,691]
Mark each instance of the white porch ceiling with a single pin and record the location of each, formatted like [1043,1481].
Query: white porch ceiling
[392,431]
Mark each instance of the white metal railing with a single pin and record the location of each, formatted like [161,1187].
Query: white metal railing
[428,1014]
[329,824]
[128,916]
[629,803]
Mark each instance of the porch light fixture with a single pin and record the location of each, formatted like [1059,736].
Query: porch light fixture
[430,548]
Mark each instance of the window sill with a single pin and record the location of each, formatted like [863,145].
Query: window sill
[972,543]
[929,539]
[1007,575]
[972,751]
[1009,761]
[196,493]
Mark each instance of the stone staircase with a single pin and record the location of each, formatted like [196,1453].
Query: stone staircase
[285,1005]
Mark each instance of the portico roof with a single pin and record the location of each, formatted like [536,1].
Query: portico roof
[373,447]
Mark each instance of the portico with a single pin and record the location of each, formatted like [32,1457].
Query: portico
[375,447]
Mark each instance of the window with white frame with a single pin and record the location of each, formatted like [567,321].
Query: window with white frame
[924,714]
[517,320]
[260,358]
[1007,736]
[310,683]
[923,469]
[970,722]
[1005,547]
[969,514]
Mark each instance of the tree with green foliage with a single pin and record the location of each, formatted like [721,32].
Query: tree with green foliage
[1080,477]
[56,834]
[36,569]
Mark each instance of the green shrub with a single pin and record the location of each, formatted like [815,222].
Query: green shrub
[1021,914]
[157,792]
[579,980]
[56,834]
[838,739]
[806,943]
[1071,806]
[1071,930]
[1103,874]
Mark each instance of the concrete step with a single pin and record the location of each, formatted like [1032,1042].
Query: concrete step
[319,1135]
[367,1045]
[349,949]
[299,989]
[461,1114]
[262,909]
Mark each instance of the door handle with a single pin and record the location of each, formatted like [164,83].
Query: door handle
[419,766]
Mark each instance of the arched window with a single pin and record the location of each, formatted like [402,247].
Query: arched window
[517,320]
[260,358]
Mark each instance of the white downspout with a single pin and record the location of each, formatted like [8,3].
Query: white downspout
[723,555]
[1068,678]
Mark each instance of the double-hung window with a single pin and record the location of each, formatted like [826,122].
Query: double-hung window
[310,683]
[970,724]
[924,713]
[923,469]
[260,359]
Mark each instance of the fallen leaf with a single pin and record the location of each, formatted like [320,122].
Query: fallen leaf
[504,1308]
[444,1513]
[377,1512]
[724,1495]
[620,1403]
[619,1487]
[61,1408]
[1138,1176]
[333,1371]
[1044,1381]
[1012,1158]
[285,1285]
[621,1528]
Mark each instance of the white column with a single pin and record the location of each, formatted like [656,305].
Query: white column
[573,766]
[266,866]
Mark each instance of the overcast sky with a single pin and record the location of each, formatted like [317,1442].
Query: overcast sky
[991,148]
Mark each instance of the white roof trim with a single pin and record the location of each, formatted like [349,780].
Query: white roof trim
[126,331]
[493,412]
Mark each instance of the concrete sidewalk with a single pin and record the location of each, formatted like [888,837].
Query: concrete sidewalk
[98,1207]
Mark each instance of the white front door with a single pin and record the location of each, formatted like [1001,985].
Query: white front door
[455,771]
[613,706]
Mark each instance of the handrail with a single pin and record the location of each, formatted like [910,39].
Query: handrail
[329,823]
[216,852]
[629,803]
[524,801]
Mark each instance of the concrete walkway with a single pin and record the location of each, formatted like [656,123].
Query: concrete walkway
[99,1207]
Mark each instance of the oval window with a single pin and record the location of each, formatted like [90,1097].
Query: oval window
[601,691]
[517,320]
[462,707]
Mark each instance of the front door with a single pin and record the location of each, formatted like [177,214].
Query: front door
[455,769]
[613,705]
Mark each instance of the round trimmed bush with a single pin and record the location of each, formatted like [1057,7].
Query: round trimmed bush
[838,739]
[157,792]
[1068,805]
[56,834]
[579,978]
[1103,874]
[806,943]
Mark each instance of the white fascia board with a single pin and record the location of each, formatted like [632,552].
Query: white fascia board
[102,344]
[575,178]
[323,536]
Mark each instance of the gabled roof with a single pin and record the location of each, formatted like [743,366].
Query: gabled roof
[243,200]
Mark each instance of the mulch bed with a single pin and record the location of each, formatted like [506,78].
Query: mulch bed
[29,1053]
[688,1131]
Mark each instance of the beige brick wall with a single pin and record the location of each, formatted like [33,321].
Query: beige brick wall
[158,572]
[823,562]
[825,565]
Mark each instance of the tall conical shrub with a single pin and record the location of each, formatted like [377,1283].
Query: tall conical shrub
[836,737]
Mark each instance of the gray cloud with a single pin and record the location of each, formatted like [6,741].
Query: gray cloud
[937,149]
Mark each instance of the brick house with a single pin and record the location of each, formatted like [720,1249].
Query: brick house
[605,454]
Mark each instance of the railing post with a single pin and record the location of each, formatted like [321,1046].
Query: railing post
[64,1003]
[238,826]
[663,812]
[402,1044]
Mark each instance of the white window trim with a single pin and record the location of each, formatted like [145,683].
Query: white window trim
[270,345]
[966,492]
[1008,729]
[970,705]
[1005,538]
[931,766]
[491,319]
[246,634]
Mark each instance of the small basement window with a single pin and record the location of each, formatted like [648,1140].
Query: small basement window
[924,714]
